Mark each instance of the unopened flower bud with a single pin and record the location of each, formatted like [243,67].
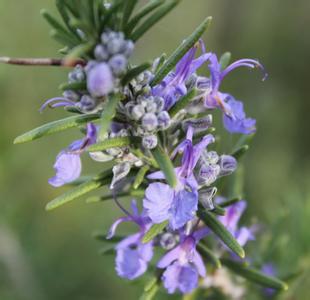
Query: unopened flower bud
[208,174]
[77,75]
[100,81]
[149,122]
[209,157]
[101,53]
[228,165]
[128,48]
[168,240]
[118,64]
[87,103]
[150,141]
[160,103]
[151,106]
[71,95]
[137,112]
[115,46]
[163,119]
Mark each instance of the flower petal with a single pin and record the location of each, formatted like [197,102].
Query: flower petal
[68,168]
[157,202]
[183,208]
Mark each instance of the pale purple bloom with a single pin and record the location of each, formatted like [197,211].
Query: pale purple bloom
[270,270]
[174,84]
[231,220]
[183,264]
[177,205]
[132,256]
[235,120]
[68,162]
[100,80]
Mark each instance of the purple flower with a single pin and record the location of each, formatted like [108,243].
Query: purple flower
[235,120]
[177,205]
[174,84]
[132,256]
[68,162]
[231,219]
[183,264]
[100,80]
[270,270]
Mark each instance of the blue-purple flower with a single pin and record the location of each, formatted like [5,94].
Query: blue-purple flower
[179,204]
[183,264]
[174,84]
[235,120]
[270,270]
[231,220]
[132,256]
[68,162]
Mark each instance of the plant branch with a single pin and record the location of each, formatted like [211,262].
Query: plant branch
[42,61]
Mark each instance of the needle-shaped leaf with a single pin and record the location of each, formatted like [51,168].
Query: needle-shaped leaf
[219,229]
[240,152]
[129,6]
[133,193]
[183,102]
[153,19]
[154,231]
[74,86]
[112,143]
[140,176]
[181,51]
[143,12]
[254,275]
[165,165]
[107,115]
[96,182]
[225,59]
[134,72]
[56,126]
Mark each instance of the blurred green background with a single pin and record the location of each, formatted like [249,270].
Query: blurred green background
[52,255]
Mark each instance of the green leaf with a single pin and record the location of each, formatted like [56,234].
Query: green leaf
[154,231]
[225,59]
[230,202]
[208,255]
[240,152]
[129,6]
[218,210]
[75,86]
[107,115]
[56,126]
[254,275]
[151,293]
[140,176]
[165,165]
[153,19]
[133,193]
[219,229]
[181,51]
[183,102]
[145,10]
[112,143]
[134,72]
[98,181]
[81,50]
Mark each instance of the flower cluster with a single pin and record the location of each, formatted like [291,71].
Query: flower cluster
[144,113]
[154,124]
